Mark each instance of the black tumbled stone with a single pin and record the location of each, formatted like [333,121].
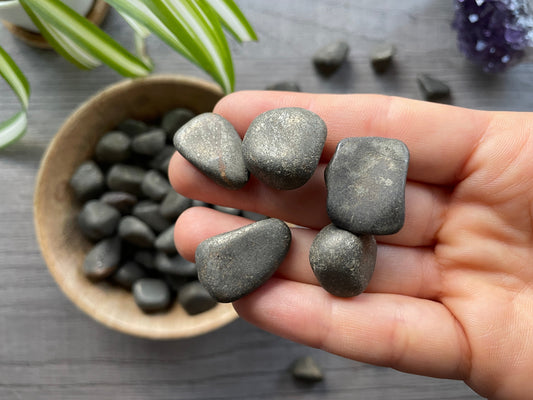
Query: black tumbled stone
[306,369]
[173,205]
[125,178]
[432,89]
[98,220]
[165,241]
[365,181]
[155,185]
[381,57]
[103,259]
[133,230]
[343,262]
[329,58]
[175,265]
[195,299]
[212,145]
[233,264]
[88,181]
[175,119]
[149,143]
[285,86]
[162,159]
[113,147]
[148,212]
[128,274]
[282,147]
[122,201]
[132,127]
[151,295]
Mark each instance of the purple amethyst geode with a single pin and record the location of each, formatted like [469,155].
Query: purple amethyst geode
[493,33]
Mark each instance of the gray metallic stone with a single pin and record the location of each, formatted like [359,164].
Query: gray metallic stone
[149,143]
[195,299]
[343,262]
[98,220]
[173,205]
[155,185]
[432,89]
[103,259]
[306,369]
[125,178]
[175,119]
[212,145]
[88,181]
[148,212]
[151,295]
[330,57]
[128,274]
[365,180]
[133,230]
[282,147]
[165,241]
[233,264]
[113,147]
[381,57]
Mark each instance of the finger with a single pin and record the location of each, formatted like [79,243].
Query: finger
[440,138]
[411,335]
[399,270]
[425,204]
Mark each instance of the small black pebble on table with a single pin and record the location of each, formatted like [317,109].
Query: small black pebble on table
[381,57]
[433,89]
[306,369]
[329,58]
[285,86]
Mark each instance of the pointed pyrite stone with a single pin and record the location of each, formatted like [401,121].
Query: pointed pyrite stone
[233,264]
[211,144]
[365,180]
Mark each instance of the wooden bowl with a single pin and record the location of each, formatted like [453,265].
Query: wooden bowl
[56,209]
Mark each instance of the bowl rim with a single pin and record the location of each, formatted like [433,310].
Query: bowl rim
[107,320]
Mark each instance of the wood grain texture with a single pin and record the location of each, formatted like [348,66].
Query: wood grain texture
[50,350]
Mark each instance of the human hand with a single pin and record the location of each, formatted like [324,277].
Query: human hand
[452,292]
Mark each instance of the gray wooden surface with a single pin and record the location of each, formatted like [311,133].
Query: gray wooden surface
[50,350]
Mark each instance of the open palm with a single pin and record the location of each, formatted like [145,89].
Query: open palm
[452,293]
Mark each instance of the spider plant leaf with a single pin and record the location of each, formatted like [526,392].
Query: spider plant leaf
[140,33]
[136,10]
[233,19]
[199,29]
[13,128]
[14,77]
[87,36]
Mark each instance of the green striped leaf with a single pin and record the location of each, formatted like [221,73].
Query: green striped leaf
[136,10]
[85,35]
[14,77]
[199,29]
[233,19]
[13,128]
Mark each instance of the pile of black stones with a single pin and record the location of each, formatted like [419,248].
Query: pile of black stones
[128,210]
[365,181]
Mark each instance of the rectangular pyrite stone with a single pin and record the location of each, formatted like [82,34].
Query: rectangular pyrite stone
[365,180]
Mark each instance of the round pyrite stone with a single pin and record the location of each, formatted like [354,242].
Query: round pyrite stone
[343,262]
[282,147]
[212,145]
[365,180]
[233,264]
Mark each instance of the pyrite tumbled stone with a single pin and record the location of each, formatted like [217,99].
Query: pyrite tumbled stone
[343,262]
[235,263]
[212,145]
[365,181]
[282,147]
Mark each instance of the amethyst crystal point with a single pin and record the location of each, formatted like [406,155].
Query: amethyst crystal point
[493,33]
